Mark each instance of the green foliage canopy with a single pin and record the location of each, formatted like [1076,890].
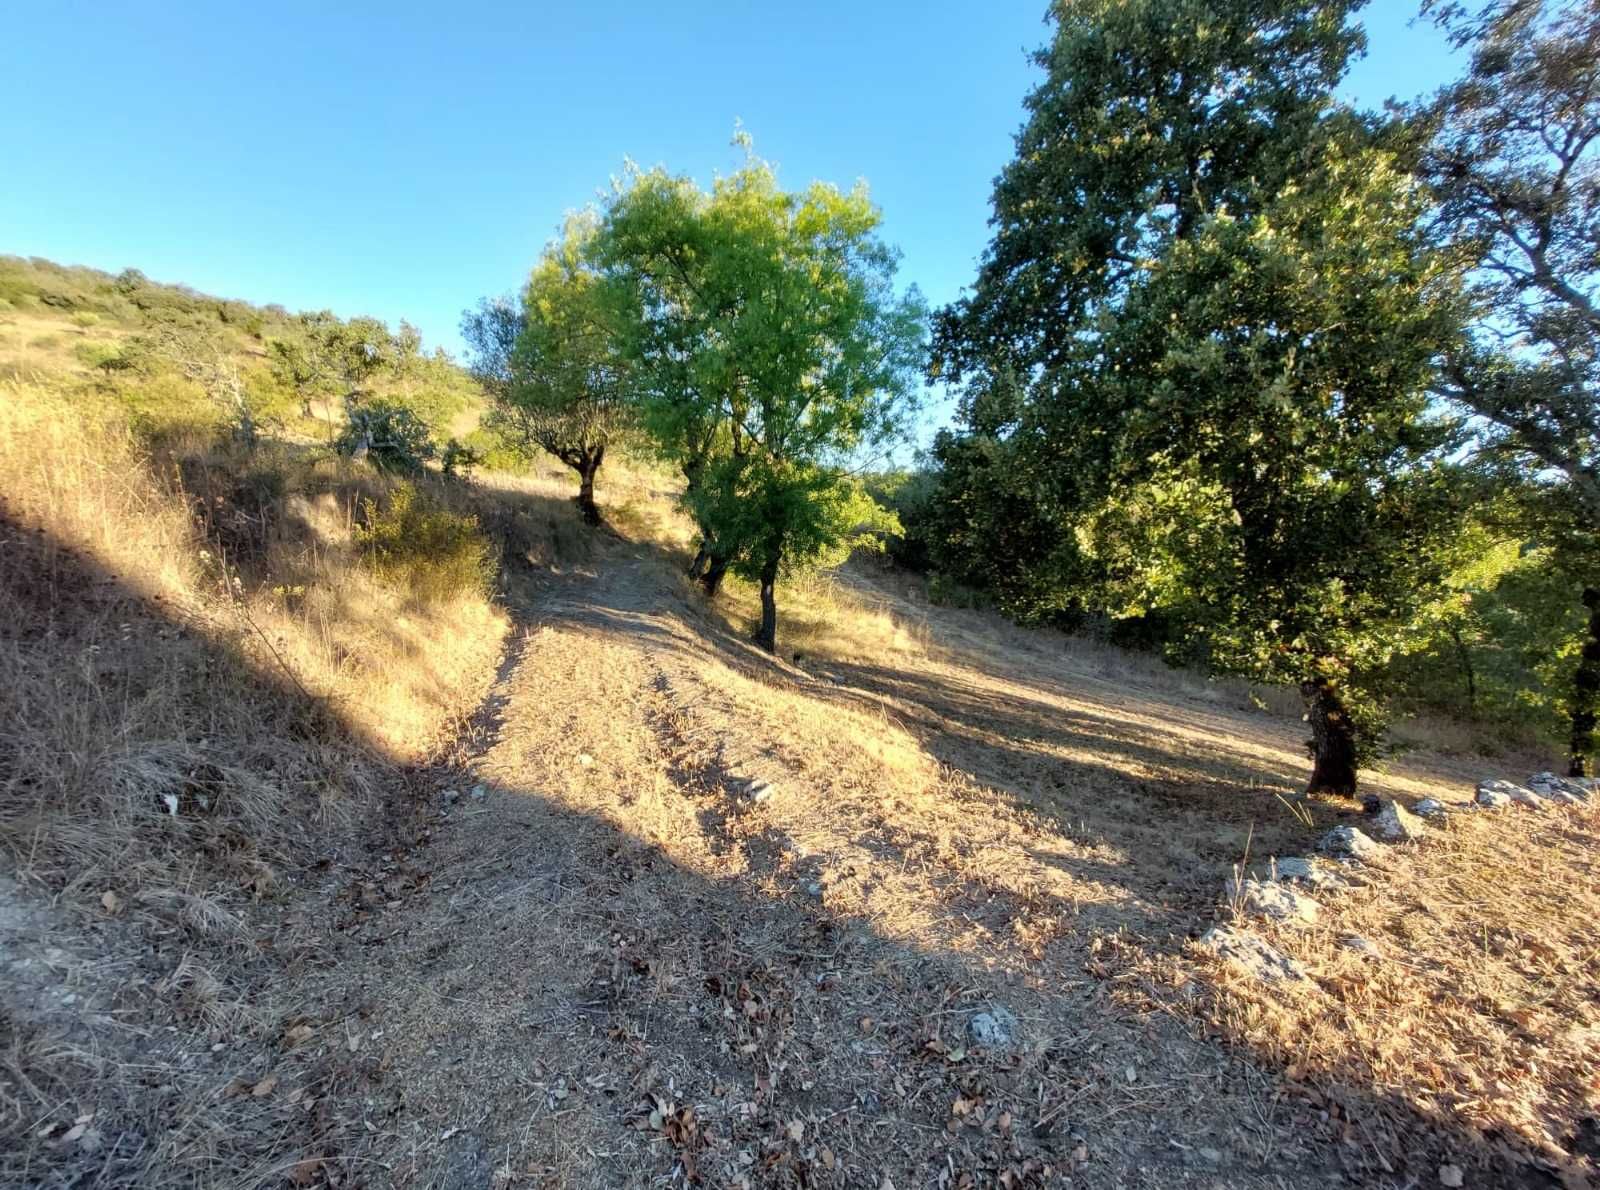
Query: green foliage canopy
[771,348]
[1199,354]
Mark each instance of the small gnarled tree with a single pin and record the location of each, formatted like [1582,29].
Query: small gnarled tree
[552,362]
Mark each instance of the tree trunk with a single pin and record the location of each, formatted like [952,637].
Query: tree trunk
[1586,691]
[1333,739]
[586,504]
[767,634]
[716,568]
[698,566]
[1464,655]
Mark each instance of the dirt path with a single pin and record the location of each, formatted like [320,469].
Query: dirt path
[603,963]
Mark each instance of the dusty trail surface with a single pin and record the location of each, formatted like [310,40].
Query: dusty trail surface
[597,958]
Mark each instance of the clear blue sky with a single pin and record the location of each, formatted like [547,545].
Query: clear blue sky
[404,159]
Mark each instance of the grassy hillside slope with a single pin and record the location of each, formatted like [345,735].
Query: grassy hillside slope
[336,862]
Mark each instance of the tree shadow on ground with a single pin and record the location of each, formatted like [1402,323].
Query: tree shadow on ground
[509,990]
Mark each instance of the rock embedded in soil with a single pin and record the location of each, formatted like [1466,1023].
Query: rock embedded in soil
[1361,944]
[466,1164]
[1271,898]
[995,1028]
[758,791]
[1301,870]
[1397,824]
[1490,797]
[1560,789]
[1503,793]
[1252,954]
[1348,842]
[1430,808]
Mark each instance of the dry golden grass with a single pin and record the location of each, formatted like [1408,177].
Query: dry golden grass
[106,680]
[617,967]
[201,695]
[1481,1005]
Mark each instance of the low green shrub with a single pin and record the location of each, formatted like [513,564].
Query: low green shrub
[108,357]
[458,458]
[429,550]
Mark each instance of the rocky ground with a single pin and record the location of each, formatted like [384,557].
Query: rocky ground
[971,910]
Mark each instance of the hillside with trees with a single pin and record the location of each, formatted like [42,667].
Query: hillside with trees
[591,761]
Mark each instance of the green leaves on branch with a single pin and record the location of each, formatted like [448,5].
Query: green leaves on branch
[554,361]
[1199,354]
[770,349]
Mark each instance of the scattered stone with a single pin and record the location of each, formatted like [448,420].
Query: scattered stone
[1452,1177]
[451,796]
[1430,808]
[1270,898]
[814,889]
[1360,944]
[1397,824]
[1561,789]
[479,792]
[1212,1155]
[1490,797]
[1347,841]
[585,760]
[1299,870]
[994,1029]
[1508,792]
[759,791]
[466,1164]
[1252,955]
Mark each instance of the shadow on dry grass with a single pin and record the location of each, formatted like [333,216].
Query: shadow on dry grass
[604,972]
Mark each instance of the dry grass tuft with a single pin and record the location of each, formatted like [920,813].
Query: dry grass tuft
[204,688]
[1481,1005]
[200,665]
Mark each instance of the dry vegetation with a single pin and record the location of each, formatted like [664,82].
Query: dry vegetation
[463,892]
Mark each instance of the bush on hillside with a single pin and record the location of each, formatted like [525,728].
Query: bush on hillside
[458,458]
[388,435]
[431,551]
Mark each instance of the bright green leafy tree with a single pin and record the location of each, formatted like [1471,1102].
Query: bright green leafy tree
[772,349]
[1211,289]
[554,364]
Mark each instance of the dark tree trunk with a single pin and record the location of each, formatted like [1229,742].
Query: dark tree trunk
[767,633]
[716,569]
[1333,739]
[1464,655]
[698,566]
[1586,691]
[586,504]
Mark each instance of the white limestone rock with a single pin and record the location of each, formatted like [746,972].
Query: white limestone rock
[1490,797]
[1430,808]
[1502,793]
[1253,955]
[1274,899]
[1397,824]
[1317,874]
[1561,789]
[993,1029]
[1349,843]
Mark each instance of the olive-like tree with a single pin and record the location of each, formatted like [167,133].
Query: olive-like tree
[772,349]
[552,363]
